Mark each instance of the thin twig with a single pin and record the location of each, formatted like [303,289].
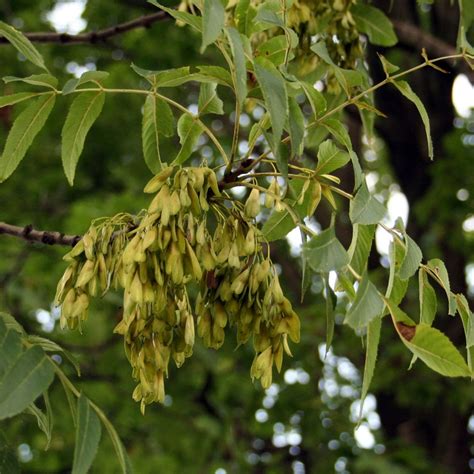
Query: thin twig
[100,36]
[41,236]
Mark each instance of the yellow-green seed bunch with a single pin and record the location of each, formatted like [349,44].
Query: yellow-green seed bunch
[187,236]
[171,248]
[93,264]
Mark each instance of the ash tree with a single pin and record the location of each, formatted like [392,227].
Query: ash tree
[153,197]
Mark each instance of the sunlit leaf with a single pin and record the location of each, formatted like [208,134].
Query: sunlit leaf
[429,344]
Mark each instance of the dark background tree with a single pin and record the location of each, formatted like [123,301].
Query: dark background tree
[214,417]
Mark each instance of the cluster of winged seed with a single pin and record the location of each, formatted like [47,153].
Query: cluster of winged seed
[190,241]
[94,264]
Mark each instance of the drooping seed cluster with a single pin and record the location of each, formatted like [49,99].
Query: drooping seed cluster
[190,241]
[94,264]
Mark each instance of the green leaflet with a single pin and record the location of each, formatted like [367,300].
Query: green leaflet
[185,17]
[237,50]
[209,102]
[44,421]
[119,448]
[331,301]
[282,154]
[50,346]
[321,50]
[466,24]
[407,91]
[16,98]
[372,345]
[278,225]
[367,305]
[374,23]
[467,318]
[396,287]
[330,158]
[23,132]
[212,22]
[296,127]
[361,244]
[11,323]
[315,98]
[274,49]
[88,76]
[43,80]
[358,175]
[22,44]
[325,253]
[429,344]
[437,270]
[157,120]
[88,434]
[265,15]
[364,208]
[24,380]
[412,259]
[167,77]
[387,66]
[216,74]
[275,96]
[339,132]
[84,111]
[10,347]
[427,298]
[189,131]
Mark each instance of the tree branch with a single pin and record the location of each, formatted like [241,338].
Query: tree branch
[41,236]
[96,36]
[411,35]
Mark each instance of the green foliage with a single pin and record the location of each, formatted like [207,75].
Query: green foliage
[88,433]
[83,112]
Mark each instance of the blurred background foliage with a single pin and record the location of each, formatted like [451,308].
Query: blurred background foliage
[214,419]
